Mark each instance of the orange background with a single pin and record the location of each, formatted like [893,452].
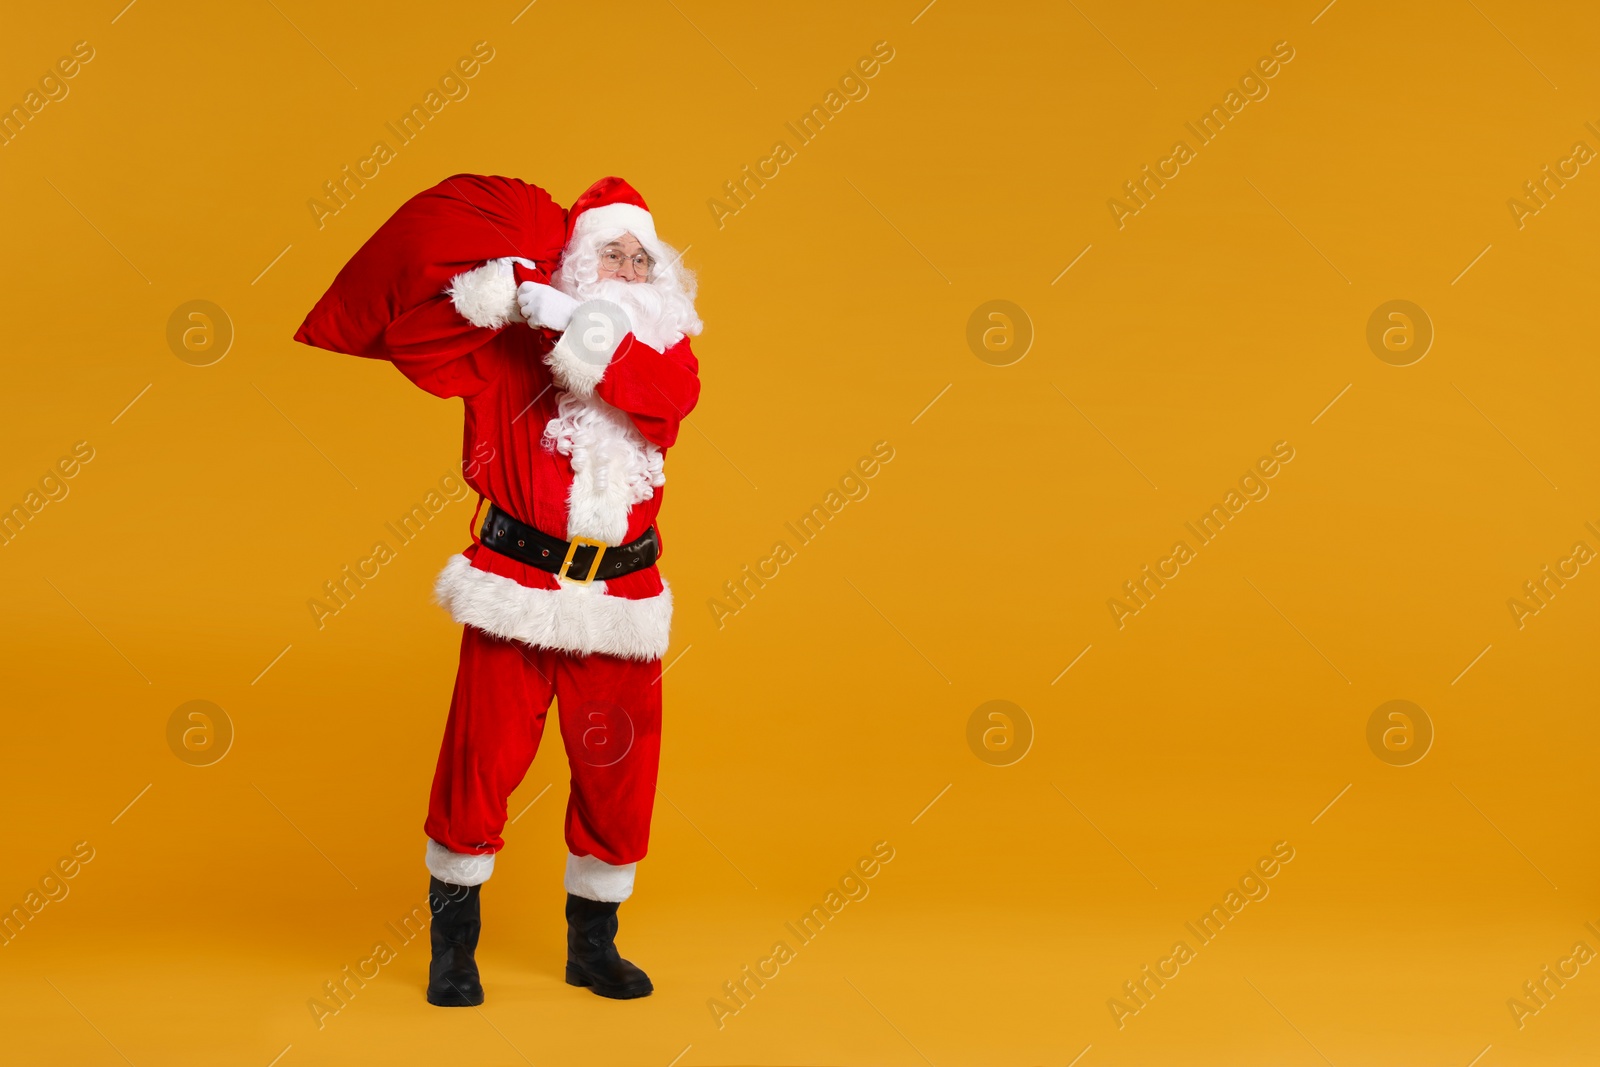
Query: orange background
[832,712]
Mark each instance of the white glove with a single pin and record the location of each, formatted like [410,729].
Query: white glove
[544,305]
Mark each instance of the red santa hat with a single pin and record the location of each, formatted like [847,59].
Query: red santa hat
[613,204]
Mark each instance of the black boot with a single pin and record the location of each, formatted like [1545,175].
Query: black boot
[453,974]
[592,958]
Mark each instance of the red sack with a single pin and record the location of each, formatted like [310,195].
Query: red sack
[459,224]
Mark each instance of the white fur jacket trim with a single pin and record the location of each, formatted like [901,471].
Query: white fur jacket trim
[573,618]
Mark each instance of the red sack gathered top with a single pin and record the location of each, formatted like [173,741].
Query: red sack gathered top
[459,224]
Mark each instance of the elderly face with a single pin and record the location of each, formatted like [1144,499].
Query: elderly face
[624,259]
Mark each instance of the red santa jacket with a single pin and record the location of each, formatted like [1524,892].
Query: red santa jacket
[557,440]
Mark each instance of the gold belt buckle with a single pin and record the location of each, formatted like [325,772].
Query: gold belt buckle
[572,547]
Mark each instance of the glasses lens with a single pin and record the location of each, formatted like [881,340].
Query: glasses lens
[613,261]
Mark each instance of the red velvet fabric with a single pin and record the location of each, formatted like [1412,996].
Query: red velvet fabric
[510,396]
[610,715]
[405,267]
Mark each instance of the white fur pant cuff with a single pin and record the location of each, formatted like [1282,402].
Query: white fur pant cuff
[596,879]
[458,868]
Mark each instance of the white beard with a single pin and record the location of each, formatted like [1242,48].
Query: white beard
[613,465]
[657,312]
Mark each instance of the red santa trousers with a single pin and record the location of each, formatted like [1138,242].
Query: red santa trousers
[610,716]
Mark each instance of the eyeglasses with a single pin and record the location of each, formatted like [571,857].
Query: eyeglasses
[612,260]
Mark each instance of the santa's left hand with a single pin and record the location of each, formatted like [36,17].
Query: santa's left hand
[544,305]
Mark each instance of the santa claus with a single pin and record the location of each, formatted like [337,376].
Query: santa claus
[574,365]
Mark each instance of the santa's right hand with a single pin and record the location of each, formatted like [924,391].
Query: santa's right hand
[544,305]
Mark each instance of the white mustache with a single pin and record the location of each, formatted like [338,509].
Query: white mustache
[646,305]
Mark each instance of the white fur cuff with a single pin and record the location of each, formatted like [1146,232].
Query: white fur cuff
[580,358]
[458,868]
[596,879]
[574,618]
[487,295]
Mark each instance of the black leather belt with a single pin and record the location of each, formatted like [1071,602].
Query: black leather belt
[582,559]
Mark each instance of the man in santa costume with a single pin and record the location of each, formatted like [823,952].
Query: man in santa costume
[568,341]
